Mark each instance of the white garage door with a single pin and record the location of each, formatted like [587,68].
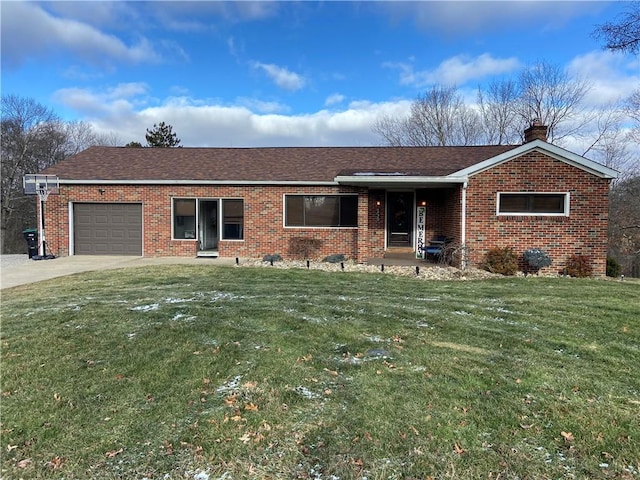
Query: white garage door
[107,228]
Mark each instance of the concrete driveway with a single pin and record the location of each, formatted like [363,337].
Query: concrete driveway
[20,270]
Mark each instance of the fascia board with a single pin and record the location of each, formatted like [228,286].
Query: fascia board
[553,151]
[189,182]
[373,180]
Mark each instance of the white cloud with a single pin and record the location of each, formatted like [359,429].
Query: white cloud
[467,18]
[126,110]
[281,76]
[613,76]
[97,14]
[78,73]
[456,70]
[179,90]
[231,12]
[28,31]
[262,106]
[231,45]
[105,104]
[334,99]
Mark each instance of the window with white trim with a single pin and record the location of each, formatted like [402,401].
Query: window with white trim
[184,218]
[533,203]
[321,210]
[232,219]
[203,215]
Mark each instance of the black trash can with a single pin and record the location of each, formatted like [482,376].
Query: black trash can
[31,236]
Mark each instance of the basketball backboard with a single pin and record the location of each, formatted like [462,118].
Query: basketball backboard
[34,184]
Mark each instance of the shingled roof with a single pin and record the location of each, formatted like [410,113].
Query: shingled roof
[281,164]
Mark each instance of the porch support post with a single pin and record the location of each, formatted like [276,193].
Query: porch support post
[463,227]
[363,242]
[42,249]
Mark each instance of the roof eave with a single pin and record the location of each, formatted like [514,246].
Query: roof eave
[191,182]
[398,180]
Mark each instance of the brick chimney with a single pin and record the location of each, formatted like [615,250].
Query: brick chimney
[537,131]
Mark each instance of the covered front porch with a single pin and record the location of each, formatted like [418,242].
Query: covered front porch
[406,213]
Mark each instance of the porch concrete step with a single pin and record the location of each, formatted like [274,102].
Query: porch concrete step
[207,253]
[400,254]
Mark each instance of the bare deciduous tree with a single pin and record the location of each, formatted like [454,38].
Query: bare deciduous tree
[438,117]
[542,92]
[548,94]
[33,138]
[632,109]
[623,34]
[81,135]
[500,123]
[624,225]
[392,130]
[31,141]
[607,142]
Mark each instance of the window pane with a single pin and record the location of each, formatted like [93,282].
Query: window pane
[548,204]
[294,211]
[532,203]
[513,203]
[184,218]
[349,211]
[233,219]
[322,211]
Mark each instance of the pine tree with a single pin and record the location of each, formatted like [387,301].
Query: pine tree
[162,136]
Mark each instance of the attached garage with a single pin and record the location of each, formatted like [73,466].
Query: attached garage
[107,228]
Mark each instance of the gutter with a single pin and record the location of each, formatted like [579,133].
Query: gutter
[379,180]
[192,182]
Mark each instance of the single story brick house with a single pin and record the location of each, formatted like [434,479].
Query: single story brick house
[363,202]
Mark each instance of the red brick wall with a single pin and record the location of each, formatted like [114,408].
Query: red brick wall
[583,232]
[263,219]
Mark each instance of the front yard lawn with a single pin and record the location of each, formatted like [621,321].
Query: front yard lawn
[199,372]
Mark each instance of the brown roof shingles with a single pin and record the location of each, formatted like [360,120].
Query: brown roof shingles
[279,164]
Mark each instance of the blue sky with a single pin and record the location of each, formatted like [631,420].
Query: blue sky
[287,73]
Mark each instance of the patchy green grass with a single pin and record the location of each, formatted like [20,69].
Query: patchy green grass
[241,373]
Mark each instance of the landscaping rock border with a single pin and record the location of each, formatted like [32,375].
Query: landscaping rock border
[426,272]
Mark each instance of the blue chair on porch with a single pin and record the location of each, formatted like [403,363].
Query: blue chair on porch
[435,249]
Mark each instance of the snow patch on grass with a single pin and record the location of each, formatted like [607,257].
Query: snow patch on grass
[216,296]
[316,320]
[178,300]
[146,308]
[231,385]
[183,317]
[306,393]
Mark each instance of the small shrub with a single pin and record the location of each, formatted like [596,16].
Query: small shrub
[536,259]
[579,266]
[613,267]
[455,254]
[501,260]
[304,247]
[336,258]
[272,258]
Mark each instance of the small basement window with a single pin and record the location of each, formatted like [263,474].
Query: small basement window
[533,203]
[321,210]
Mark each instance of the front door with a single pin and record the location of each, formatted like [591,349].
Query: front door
[399,219]
[208,225]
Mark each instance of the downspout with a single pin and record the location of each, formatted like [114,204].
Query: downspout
[463,262]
